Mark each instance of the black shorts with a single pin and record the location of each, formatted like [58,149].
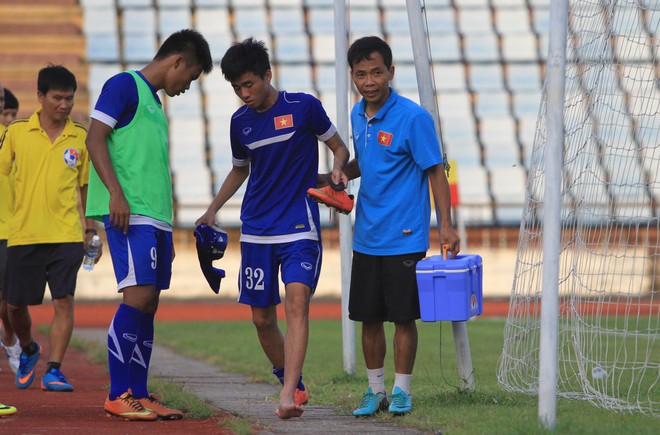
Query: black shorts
[3,263]
[384,288]
[30,267]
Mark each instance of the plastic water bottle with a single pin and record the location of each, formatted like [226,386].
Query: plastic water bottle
[92,252]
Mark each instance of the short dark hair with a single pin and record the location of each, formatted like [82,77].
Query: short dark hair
[362,48]
[191,45]
[11,102]
[56,77]
[249,55]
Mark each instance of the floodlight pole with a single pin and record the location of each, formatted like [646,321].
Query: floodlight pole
[427,99]
[345,227]
[554,152]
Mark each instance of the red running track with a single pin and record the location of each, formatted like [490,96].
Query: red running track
[99,314]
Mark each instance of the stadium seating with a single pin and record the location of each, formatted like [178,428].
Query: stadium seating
[37,33]
[488,61]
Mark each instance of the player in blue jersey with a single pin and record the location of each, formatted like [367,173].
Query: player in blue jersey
[397,153]
[131,192]
[274,142]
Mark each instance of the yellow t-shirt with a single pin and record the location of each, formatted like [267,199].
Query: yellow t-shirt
[6,199]
[46,179]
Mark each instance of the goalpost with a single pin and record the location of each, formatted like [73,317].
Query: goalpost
[608,254]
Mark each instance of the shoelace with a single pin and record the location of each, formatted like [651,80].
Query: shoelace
[132,402]
[368,397]
[398,399]
[59,375]
[23,360]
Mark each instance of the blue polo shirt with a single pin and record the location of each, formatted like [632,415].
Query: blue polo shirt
[394,148]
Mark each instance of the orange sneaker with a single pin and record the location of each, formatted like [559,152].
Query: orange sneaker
[337,199]
[301,397]
[128,407]
[155,405]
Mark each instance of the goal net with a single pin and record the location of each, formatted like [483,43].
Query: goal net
[609,268]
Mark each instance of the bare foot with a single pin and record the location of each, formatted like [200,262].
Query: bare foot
[287,411]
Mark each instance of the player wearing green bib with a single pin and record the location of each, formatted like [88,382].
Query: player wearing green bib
[130,190]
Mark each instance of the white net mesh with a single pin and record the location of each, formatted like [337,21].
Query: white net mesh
[609,282]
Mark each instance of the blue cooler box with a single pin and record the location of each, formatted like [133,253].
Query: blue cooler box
[450,289]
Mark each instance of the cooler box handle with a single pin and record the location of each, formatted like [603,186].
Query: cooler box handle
[445,248]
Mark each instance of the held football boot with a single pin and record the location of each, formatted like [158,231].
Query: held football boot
[334,196]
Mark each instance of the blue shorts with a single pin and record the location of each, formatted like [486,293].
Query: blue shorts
[258,280]
[141,257]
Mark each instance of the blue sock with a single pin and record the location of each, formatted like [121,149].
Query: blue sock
[279,373]
[142,357]
[122,337]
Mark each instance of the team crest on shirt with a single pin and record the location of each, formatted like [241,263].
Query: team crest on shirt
[284,121]
[247,131]
[71,157]
[384,138]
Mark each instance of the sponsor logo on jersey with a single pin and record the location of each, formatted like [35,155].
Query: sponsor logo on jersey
[247,130]
[306,266]
[284,121]
[384,138]
[71,157]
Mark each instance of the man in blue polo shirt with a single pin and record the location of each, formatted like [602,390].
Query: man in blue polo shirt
[397,153]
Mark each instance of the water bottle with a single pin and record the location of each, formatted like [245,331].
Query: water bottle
[92,252]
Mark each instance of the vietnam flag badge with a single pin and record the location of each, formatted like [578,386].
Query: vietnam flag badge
[384,138]
[284,121]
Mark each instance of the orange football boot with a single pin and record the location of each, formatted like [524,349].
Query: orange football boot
[301,397]
[128,407]
[155,405]
[331,197]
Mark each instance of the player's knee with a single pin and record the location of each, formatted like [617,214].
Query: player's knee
[263,321]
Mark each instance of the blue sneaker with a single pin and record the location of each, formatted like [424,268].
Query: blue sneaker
[400,402]
[371,404]
[26,366]
[54,380]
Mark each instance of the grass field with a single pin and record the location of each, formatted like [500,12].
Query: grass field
[438,405]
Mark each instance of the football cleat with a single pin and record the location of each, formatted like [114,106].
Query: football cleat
[128,407]
[371,404]
[26,368]
[155,405]
[331,197]
[54,380]
[6,410]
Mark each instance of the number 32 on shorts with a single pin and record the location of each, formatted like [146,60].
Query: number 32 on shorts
[254,278]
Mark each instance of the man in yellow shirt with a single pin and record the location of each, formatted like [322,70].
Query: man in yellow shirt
[46,240]
[7,339]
